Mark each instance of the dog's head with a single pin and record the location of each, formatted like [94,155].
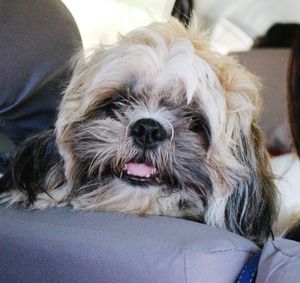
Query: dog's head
[160,124]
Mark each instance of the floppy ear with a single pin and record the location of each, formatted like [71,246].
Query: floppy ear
[251,208]
[244,198]
[35,167]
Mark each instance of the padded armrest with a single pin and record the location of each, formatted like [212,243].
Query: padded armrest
[60,245]
[279,262]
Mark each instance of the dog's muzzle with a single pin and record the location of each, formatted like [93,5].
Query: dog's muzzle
[147,134]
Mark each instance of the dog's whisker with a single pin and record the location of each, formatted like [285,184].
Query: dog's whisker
[128,128]
[172,131]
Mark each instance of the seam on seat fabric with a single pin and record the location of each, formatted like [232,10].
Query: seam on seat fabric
[284,253]
[235,250]
[185,266]
[213,252]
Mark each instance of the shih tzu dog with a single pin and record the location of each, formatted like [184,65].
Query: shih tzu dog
[157,124]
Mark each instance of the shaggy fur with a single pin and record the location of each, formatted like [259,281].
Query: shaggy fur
[161,100]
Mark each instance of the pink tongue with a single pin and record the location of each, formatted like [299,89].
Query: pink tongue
[139,169]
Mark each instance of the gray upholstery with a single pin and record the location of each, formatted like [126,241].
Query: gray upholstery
[280,262]
[37,40]
[60,245]
[5,143]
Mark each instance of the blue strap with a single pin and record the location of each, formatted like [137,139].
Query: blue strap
[249,271]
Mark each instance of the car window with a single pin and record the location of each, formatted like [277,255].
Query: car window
[100,21]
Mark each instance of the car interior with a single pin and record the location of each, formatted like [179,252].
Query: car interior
[38,40]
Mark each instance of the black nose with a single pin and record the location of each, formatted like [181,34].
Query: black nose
[147,133]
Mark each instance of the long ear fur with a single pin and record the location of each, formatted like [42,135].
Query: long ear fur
[246,200]
[35,167]
[251,208]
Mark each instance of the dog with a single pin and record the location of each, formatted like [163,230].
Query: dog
[157,124]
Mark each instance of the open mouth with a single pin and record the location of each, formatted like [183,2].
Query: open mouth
[138,173]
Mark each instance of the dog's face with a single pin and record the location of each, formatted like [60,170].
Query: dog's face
[142,141]
[160,124]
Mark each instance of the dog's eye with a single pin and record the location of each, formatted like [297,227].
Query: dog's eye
[108,109]
[104,110]
[167,103]
[164,102]
[199,125]
[115,103]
